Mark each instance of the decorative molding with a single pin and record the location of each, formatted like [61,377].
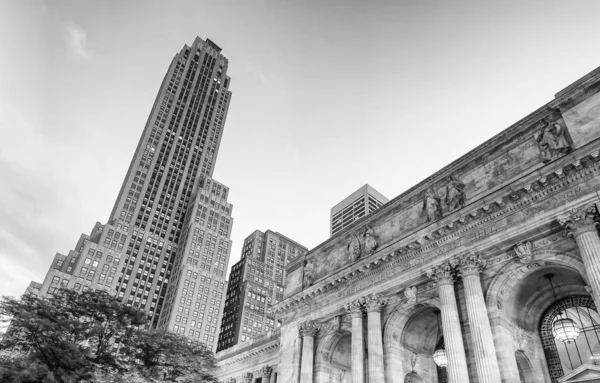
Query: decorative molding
[524,251]
[309,328]
[580,220]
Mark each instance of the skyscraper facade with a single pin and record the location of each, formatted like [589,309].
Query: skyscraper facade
[362,202]
[255,283]
[133,254]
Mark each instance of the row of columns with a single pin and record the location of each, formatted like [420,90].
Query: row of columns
[248,377]
[468,266]
[582,224]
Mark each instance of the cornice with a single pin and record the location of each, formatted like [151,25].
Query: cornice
[574,90]
[536,186]
[251,351]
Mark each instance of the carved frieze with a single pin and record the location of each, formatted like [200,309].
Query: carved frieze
[524,251]
[432,205]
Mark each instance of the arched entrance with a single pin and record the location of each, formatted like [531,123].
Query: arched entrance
[525,370]
[334,358]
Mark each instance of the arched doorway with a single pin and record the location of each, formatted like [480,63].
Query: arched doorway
[562,357]
[334,358]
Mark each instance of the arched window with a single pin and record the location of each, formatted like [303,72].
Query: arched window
[563,358]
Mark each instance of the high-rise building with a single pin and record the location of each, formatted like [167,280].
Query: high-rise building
[362,202]
[255,283]
[194,299]
[133,255]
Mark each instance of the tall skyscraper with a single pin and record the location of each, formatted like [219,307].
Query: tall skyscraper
[362,202]
[133,254]
[255,283]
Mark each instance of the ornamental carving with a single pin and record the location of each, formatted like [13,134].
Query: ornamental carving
[247,377]
[370,241]
[230,380]
[309,269]
[355,248]
[266,371]
[375,302]
[355,308]
[309,328]
[411,295]
[470,264]
[579,221]
[520,339]
[432,205]
[524,251]
[551,140]
[455,194]
[443,274]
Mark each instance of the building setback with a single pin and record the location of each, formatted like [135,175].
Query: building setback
[256,283]
[133,254]
[361,203]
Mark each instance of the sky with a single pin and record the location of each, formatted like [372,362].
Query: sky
[327,96]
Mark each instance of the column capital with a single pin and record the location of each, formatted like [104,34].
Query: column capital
[355,308]
[230,380]
[309,328]
[247,377]
[580,220]
[266,371]
[375,302]
[442,274]
[470,264]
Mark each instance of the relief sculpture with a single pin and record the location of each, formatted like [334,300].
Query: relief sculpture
[370,241]
[308,274]
[354,247]
[432,205]
[455,194]
[551,141]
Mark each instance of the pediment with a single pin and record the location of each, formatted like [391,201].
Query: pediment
[585,373]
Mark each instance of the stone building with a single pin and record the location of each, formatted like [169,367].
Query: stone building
[503,242]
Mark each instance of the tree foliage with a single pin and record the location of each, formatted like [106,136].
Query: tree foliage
[91,336]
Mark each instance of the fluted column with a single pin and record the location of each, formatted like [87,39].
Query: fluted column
[358,350]
[266,373]
[374,304]
[486,362]
[582,224]
[247,377]
[308,330]
[443,275]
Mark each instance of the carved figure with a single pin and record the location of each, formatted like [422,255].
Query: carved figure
[551,141]
[370,241]
[520,339]
[524,251]
[432,205]
[354,247]
[455,194]
[309,268]
[411,295]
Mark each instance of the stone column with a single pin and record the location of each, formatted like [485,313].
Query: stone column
[308,330]
[443,275]
[266,373]
[358,350]
[374,304]
[247,377]
[582,224]
[486,362]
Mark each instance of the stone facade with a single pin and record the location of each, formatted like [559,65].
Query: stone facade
[474,241]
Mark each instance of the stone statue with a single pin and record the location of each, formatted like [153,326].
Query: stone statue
[524,251]
[411,295]
[455,194]
[432,205]
[551,141]
[308,274]
[354,247]
[370,241]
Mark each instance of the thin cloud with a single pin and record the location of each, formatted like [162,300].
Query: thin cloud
[77,42]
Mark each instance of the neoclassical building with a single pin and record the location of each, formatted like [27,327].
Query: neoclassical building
[488,271]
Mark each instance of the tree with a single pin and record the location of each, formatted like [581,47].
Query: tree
[91,336]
